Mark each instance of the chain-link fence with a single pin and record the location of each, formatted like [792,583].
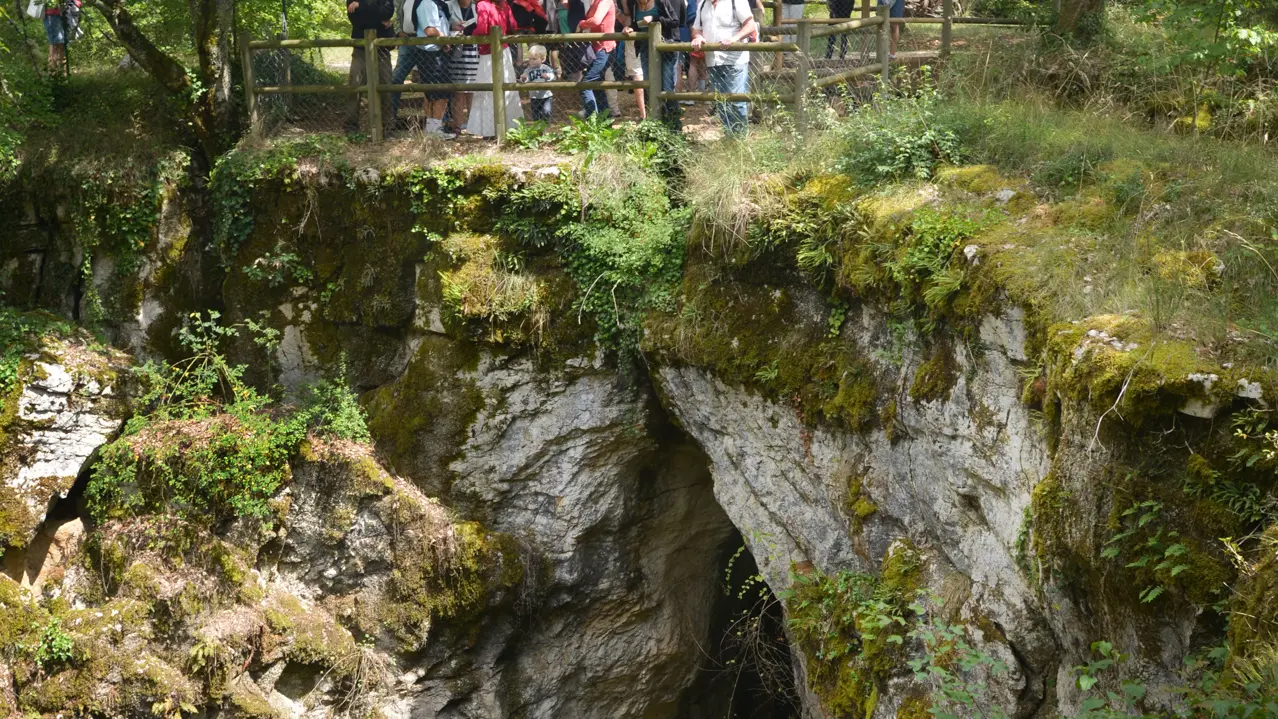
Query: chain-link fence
[449,85]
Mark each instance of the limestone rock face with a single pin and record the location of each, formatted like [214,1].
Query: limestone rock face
[955,479]
[626,533]
[67,407]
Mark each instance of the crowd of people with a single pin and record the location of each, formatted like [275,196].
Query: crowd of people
[709,25]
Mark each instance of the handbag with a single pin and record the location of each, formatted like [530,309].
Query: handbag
[35,8]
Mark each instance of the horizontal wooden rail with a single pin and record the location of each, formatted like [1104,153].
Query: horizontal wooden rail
[308,89]
[847,26]
[728,96]
[987,21]
[438,87]
[574,37]
[581,37]
[304,44]
[847,75]
[731,47]
[418,41]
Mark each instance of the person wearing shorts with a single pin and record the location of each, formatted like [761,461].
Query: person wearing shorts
[55,31]
[639,15]
[897,11]
[429,18]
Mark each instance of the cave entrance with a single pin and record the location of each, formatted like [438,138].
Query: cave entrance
[747,671]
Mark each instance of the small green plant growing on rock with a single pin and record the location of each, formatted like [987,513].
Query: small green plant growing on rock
[955,671]
[1156,549]
[207,446]
[56,646]
[899,137]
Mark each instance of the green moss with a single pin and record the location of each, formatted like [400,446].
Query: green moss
[936,377]
[914,707]
[420,420]
[859,507]
[844,623]
[749,330]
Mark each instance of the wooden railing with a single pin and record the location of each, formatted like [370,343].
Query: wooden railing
[804,29]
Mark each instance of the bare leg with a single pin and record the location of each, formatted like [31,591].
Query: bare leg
[643,107]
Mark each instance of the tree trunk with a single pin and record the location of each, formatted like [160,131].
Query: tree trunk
[210,112]
[1080,18]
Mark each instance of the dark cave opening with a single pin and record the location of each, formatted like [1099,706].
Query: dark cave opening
[747,669]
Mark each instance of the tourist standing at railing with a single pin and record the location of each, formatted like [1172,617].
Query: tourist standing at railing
[490,14]
[897,11]
[463,63]
[673,17]
[540,102]
[425,18]
[574,57]
[839,9]
[639,15]
[364,15]
[694,63]
[791,10]
[723,22]
[600,17]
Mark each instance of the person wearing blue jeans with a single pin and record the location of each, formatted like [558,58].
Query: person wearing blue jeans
[593,101]
[721,23]
[601,17]
[728,79]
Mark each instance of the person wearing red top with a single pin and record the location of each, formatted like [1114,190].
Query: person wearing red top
[490,14]
[600,17]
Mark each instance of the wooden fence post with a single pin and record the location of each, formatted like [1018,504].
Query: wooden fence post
[802,74]
[654,71]
[947,27]
[885,29]
[250,90]
[498,57]
[865,8]
[372,75]
[778,20]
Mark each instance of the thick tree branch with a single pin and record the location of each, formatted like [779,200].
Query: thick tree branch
[164,68]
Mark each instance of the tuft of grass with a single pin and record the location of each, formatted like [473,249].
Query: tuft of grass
[734,184]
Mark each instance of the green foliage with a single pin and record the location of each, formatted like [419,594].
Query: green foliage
[528,135]
[1225,36]
[1257,434]
[956,672]
[278,269]
[613,227]
[20,333]
[1243,498]
[590,137]
[331,408]
[206,446]
[1149,546]
[853,628]
[234,176]
[56,646]
[899,137]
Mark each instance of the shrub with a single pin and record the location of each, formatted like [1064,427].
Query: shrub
[206,446]
[899,137]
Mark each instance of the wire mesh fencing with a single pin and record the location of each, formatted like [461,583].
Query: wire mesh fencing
[386,87]
[323,72]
